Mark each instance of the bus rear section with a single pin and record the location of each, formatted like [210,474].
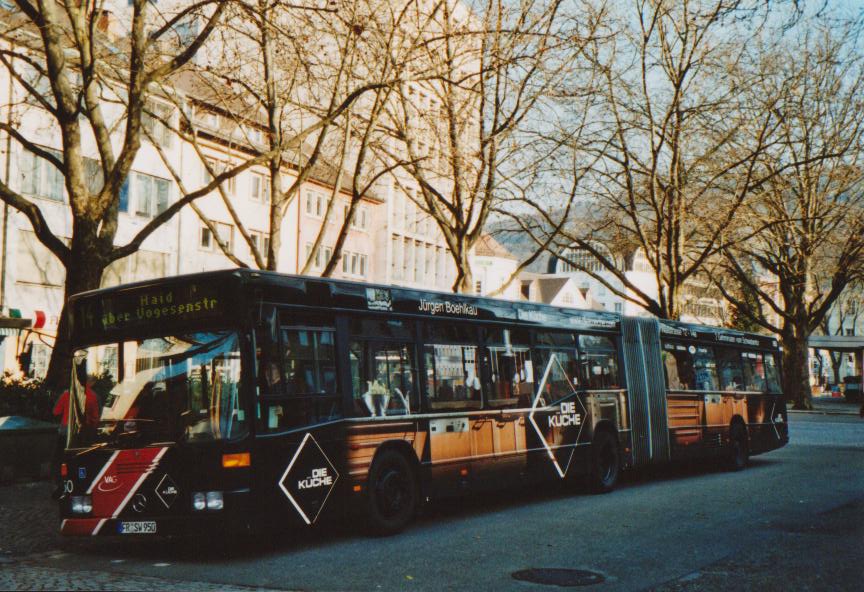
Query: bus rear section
[702,392]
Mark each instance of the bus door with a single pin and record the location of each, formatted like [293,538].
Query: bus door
[557,415]
[509,375]
[297,461]
[453,400]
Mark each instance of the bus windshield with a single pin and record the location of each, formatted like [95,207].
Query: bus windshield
[159,390]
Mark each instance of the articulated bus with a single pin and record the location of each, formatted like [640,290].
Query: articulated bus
[237,399]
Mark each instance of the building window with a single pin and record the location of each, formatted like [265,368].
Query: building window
[208,242]
[478,287]
[260,188]
[353,264]
[260,241]
[429,266]
[38,177]
[395,263]
[315,204]
[206,239]
[254,134]
[152,120]
[399,211]
[619,307]
[144,195]
[322,256]
[206,167]
[359,221]
[407,258]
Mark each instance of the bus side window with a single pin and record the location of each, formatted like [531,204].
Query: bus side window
[382,378]
[754,371]
[309,361]
[511,375]
[772,374]
[563,377]
[689,367]
[704,369]
[729,369]
[270,381]
[452,380]
[298,386]
[598,359]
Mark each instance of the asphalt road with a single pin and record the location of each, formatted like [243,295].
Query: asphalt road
[793,520]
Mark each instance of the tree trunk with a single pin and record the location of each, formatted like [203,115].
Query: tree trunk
[836,361]
[796,369]
[83,272]
[464,283]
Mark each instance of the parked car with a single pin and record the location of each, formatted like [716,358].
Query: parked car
[852,388]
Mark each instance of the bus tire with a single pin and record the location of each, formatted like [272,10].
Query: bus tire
[605,463]
[738,448]
[392,493]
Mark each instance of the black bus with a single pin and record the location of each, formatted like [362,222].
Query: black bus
[240,398]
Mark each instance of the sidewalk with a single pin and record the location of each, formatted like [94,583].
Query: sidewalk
[29,538]
[831,406]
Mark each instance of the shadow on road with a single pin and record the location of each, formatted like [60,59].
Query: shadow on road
[240,548]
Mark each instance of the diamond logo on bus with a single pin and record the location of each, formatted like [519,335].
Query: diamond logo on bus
[309,479]
[167,491]
[564,415]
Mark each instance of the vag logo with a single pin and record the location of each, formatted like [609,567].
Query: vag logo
[109,483]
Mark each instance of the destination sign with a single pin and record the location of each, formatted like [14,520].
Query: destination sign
[146,306]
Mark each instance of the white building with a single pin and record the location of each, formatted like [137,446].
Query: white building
[492,266]
[390,240]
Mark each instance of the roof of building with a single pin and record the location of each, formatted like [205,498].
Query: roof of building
[211,94]
[549,287]
[486,246]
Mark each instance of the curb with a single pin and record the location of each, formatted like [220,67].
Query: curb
[821,412]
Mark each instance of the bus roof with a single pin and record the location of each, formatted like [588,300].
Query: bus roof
[279,288]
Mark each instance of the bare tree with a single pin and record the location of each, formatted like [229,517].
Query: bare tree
[489,69]
[675,147]
[298,75]
[804,227]
[91,76]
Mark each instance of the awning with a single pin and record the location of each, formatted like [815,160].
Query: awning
[11,326]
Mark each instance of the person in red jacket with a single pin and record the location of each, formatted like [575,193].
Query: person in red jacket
[91,409]
[61,410]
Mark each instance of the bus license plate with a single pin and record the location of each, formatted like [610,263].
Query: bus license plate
[137,527]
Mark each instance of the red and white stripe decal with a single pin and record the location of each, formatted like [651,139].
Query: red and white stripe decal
[118,481]
[102,472]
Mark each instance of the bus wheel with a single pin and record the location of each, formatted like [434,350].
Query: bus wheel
[392,493]
[738,450]
[605,462]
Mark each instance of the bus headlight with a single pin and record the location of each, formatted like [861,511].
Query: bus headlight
[210,500]
[198,501]
[82,504]
[214,500]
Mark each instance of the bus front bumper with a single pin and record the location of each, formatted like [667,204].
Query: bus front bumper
[234,518]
